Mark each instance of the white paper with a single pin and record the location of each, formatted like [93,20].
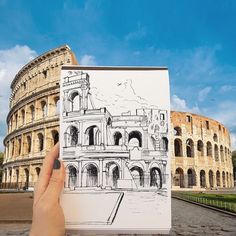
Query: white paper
[114,137]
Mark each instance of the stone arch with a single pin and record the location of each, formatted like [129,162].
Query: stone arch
[209,149]
[75,101]
[117,138]
[155,177]
[113,173]
[177,131]
[40,142]
[43,108]
[211,178]
[203,178]
[222,153]
[138,175]
[29,142]
[191,177]
[32,112]
[93,135]
[71,136]
[178,148]
[135,139]
[165,143]
[55,136]
[179,177]
[23,116]
[218,178]
[216,152]
[26,178]
[56,105]
[189,148]
[17,177]
[90,175]
[72,176]
[223,179]
[200,148]
[215,137]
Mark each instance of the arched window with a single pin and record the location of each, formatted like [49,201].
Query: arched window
[135,139]
[223,179]
[165,144]
[155,178]
[55,136]
[138,175]
[215,137]
[75,101]
[203,178]
[216,152]
[211,178]
[93,135]
[57,105]
[28,138]
[16,120]
[117,138]
[200,148]
[189,148]
[72,181]
[19,146]
[32,112]
[22,116]
[226,154]
[191,178]
[44,108]
[218,178]
[209,149]
[71,136]
[179,178]
[41,142]
[178,148]
[221,153]
[177,131]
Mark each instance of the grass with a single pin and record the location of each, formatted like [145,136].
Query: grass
[223,201]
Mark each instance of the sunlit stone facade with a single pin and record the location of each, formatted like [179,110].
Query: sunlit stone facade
[201,152]
[200,146]
[33,116]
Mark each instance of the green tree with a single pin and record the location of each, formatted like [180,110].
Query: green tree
[234,161]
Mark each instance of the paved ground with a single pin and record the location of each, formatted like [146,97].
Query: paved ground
[187,219]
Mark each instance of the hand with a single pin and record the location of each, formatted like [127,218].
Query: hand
[48,217]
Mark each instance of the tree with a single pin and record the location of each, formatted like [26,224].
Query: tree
[234,162]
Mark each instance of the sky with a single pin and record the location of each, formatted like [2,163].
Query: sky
[194,39]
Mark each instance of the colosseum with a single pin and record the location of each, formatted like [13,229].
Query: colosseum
[200,146]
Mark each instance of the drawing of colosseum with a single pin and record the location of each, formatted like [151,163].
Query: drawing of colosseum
[105,151]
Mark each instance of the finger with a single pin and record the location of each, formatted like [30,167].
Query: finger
[56,182]
[46,172]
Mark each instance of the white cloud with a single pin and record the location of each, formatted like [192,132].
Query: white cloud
[179,104]
[227,88]
[233,141]
[203,93]
[137,34]
[11,61]
[88,60]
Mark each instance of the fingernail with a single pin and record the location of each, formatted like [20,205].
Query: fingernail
[57,164]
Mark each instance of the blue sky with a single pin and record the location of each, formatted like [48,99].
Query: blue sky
[194,39]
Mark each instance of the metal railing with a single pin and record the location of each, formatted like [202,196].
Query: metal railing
[221,204]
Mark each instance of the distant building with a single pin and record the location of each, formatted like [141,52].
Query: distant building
[200,147]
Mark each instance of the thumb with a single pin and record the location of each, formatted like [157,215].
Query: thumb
[56,181]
